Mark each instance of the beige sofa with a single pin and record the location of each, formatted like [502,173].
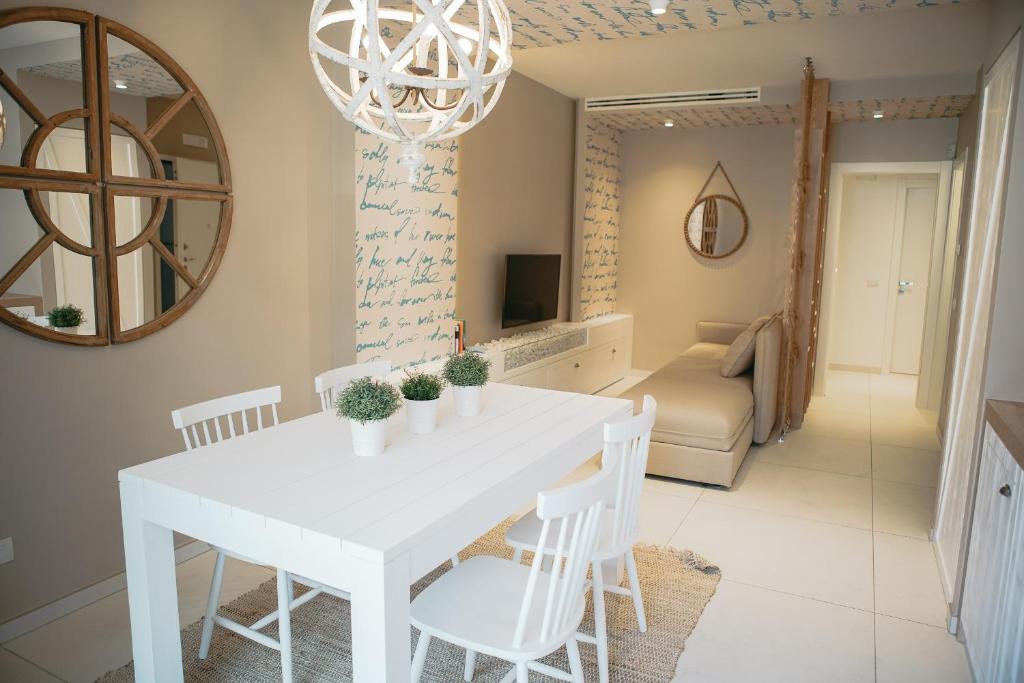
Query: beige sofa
[707,422]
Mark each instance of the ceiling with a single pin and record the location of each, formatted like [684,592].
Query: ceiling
[536,23]
[719,116]
[912,44]
[140,73]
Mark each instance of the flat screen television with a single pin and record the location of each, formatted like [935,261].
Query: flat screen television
[531,288]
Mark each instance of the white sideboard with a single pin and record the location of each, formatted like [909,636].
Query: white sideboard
[993,608]
[605,359]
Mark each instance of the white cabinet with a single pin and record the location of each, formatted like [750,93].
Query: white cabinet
[993,606]
[605,359]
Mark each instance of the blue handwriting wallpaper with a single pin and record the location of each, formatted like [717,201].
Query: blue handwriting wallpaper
[405,253]
[601,189]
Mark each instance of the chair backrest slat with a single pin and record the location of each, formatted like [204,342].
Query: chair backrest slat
[627,443]
[577,511]
[196,418]
[329,384]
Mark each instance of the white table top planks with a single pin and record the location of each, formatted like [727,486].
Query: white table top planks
[300,479]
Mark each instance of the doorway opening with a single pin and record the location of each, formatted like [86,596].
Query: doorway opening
[887,284]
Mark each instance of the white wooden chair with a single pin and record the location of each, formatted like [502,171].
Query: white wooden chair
[201,425]
[625,451]
[515,612]
[329,384]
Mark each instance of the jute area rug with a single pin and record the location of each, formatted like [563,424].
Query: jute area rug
[674,597]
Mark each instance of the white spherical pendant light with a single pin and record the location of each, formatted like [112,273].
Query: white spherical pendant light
[413,72]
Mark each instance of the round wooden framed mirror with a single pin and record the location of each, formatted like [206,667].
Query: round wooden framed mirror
[115,188]
[716,226]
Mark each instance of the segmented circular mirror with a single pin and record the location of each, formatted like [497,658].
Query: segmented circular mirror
[115,189]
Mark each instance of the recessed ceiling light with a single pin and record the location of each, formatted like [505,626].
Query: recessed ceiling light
[659,6]
[669,123]
[120,85]
[878,114]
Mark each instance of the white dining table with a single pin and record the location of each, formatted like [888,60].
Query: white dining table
[296,498]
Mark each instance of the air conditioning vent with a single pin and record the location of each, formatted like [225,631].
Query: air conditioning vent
[674,99]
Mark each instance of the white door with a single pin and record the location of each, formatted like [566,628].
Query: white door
[910,274]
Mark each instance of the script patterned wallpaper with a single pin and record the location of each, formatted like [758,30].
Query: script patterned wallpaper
[601,190]
[405,253]
[536,23]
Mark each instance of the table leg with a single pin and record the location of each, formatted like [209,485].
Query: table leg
[380,621]
[152,592]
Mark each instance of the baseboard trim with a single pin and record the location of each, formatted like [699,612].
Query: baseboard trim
[30,621]
[870,370]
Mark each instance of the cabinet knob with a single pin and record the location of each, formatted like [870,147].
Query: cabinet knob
[614,350]
[576,365]
[1005,491]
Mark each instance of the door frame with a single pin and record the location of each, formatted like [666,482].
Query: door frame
[839,173]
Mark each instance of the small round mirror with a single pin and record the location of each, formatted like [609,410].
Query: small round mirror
[716,226]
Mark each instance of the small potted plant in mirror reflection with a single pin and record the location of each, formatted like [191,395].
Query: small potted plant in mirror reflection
[467,372]
[422,393]
[66,318]
[368,403]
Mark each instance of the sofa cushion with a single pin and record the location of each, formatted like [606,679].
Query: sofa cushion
[696,405]
[740,356]
[706,351]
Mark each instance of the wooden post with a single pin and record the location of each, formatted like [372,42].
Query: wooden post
[803,293]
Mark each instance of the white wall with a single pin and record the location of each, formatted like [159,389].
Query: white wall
[515,197]
[883,140]
[661,281]
[72,417]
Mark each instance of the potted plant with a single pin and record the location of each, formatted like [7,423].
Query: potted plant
[422,393]
[368,403]
[467,372]
[66,318]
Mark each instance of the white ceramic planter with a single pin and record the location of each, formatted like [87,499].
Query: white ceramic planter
[368,437]
[421,416]
[467,401]
[67,330]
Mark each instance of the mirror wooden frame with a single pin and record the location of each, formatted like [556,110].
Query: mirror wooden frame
[743,237]
[103,186]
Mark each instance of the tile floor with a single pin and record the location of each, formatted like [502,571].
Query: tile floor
[827,571]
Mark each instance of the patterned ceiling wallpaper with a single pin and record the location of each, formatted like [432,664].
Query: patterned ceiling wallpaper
[143,76]
[714,116]
[940,106]
[540,23]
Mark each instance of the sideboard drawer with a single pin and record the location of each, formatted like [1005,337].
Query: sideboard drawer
[537,378]
[570,374]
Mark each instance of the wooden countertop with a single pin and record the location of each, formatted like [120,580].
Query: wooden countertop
[1007,419]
